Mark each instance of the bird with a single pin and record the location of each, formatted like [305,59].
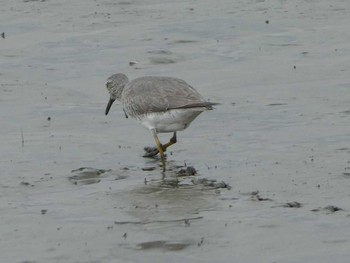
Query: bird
[160,104]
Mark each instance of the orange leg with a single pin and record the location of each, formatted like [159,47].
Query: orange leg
[172,141]
[160,150]
[151,152]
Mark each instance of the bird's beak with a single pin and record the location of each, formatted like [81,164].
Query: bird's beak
[110,102]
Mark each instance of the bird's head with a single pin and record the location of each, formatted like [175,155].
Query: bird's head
[115,85]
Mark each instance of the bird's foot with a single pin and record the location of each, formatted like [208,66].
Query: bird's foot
[150,152]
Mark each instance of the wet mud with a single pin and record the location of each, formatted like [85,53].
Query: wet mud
[264,177]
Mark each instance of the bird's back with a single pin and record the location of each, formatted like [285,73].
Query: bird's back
[158,94]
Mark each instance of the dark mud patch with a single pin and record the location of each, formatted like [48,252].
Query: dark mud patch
[255,196]
[329,209]
[185,181]
[346,174]
[148,169]
[132,63]
[26,184]
[293,204]
[277,104]
[171,169]
[258,198]
[160,52]
[343,149]
[188,171]
[346,112]
[183,41]
[283,45]
[164,245]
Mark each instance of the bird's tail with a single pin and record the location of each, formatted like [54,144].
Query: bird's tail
[203,104]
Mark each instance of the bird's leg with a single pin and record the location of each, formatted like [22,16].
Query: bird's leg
[160,149]
[153,151]
[172,141]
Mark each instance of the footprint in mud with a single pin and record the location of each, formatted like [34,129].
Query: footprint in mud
[160,60]
[89,175]
[162,56]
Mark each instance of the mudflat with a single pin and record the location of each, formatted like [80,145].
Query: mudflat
[264,177]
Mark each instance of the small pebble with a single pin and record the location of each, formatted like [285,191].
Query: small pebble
[43,211]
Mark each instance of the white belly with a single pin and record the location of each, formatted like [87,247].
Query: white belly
[169,121]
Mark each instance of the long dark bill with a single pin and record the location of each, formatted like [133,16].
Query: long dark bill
[109,105]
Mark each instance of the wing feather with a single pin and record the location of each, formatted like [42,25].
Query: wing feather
[158,94]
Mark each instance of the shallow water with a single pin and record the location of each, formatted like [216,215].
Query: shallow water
[74,185]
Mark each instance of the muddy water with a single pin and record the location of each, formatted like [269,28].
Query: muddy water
[272,161]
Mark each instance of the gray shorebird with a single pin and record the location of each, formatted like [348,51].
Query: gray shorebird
[161,104]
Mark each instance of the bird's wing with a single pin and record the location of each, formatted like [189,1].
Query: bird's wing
[158,94]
